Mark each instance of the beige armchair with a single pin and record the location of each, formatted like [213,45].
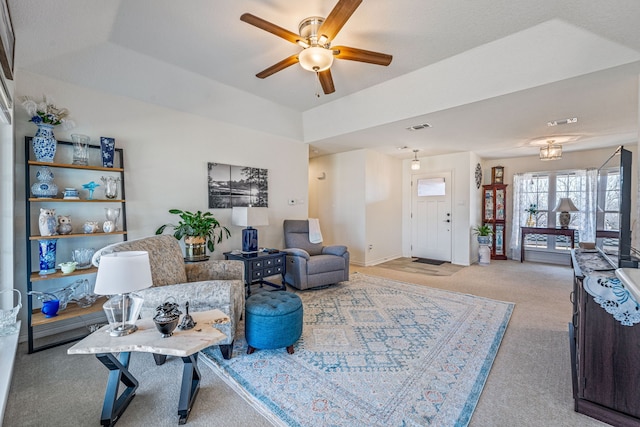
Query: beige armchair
[206,285]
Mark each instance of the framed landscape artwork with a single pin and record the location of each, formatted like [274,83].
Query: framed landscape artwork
[230,186]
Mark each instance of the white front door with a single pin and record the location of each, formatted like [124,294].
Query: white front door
[431,216]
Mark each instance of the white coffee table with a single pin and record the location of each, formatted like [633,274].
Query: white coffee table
[147,339]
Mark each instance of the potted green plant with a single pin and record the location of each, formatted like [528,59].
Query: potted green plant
[200,230]
[483,232]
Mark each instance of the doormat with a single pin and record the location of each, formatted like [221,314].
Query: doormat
[429,261]
[374,352]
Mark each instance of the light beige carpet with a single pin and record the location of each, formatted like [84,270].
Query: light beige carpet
[529,383]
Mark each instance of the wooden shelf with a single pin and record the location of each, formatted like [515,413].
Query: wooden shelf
[57,200]
[68,236]
[35,276]
[71,166]
[72,310]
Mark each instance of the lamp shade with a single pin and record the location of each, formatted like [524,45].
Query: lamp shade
[249,216]
[316,58]
[566,205]
[123,272]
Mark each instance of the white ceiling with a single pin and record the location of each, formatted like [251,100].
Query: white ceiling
[486,74]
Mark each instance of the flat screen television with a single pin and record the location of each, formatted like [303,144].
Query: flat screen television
[613,211]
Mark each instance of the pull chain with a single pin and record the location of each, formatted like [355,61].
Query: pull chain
[318,86]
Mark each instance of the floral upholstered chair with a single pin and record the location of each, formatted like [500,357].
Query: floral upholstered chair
[205,285]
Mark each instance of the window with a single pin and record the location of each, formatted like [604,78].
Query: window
[608,214]
[544,191]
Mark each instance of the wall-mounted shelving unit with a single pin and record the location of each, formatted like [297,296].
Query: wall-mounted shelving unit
[71,176]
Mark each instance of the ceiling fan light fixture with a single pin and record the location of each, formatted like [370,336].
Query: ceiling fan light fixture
[316,59]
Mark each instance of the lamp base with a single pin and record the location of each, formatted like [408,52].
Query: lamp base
[249,240]
[122,311]
[565,219]
[122,330]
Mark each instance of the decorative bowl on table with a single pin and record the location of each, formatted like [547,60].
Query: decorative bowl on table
[82,256]
[166,318]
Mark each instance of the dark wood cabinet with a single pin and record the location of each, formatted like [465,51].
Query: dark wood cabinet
[258,266]
[494,214]
[605,357]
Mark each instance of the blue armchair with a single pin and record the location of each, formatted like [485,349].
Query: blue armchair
[312,265]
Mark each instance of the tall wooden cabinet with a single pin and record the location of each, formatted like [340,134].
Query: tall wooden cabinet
[494,214]
[81,210]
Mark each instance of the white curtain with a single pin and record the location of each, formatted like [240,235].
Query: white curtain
[588,229]
[520,181]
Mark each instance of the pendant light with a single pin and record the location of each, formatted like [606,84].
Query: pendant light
[415,163]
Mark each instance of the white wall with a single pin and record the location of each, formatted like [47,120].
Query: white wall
[358,203]
[339,200]
[166,154]
[383,235]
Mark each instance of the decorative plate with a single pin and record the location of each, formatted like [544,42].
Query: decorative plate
[478,175]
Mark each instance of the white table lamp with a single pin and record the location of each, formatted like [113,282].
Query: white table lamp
[120,274]
[565,205]
[249,217]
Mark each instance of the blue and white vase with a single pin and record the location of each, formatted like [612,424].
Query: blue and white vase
[45,187]
[107,147]
[44,143]
[47,256]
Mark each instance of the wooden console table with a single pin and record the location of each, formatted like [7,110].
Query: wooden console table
[548,231]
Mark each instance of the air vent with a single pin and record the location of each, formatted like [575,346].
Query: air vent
[562,122]
[418,127]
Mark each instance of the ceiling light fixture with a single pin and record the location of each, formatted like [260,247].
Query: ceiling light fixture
[563,122]
[316,59]
[316,56]
[415,163]
[552,151]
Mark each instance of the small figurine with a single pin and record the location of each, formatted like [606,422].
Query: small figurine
[187,321]
[47,222]
[91,227]
[64,224]
[90,186]
[108,226]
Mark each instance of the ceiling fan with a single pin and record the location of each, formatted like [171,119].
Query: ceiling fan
[315,38]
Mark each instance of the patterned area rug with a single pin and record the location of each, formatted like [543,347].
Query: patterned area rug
[374,352]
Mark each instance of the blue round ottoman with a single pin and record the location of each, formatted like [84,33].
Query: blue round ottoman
[273,320]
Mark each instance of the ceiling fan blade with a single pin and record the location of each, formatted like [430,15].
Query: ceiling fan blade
[340,14]
[354,54]
[326,81]
[293,59]
[268,26]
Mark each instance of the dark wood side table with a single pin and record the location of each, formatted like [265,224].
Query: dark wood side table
[259,265]
[569,232]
